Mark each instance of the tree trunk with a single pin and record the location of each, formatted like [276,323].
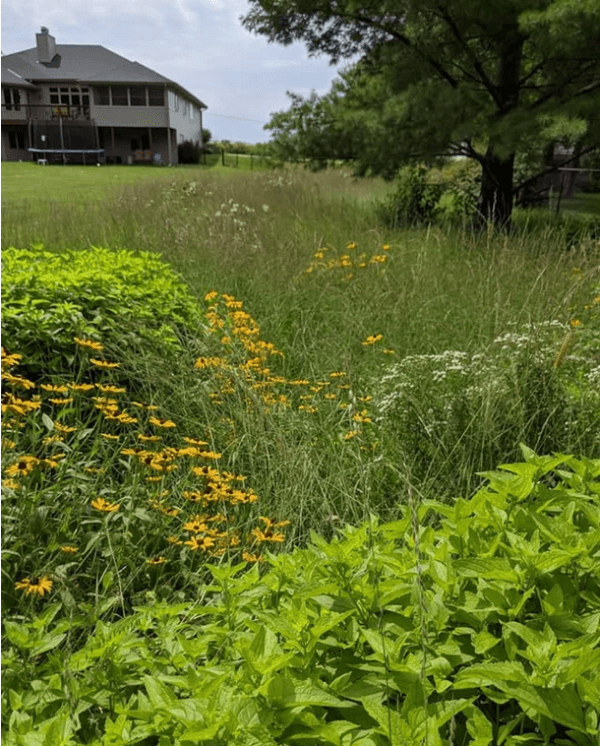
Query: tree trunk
[497,165]
[496,195]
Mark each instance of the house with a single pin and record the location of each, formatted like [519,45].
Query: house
[82,103]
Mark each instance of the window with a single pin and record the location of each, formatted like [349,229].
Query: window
[156,97]
[16,140]
[192,107]
[70,96]
[184,107]
[173,101]
[12,99]
[137,96]
[101,96]
[119,96]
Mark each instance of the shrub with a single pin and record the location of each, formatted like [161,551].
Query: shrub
[415,200]
[132,301]
[189,152]
[449,626]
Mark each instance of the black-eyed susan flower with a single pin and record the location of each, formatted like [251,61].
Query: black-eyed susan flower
[174,540]
[372,339]
[161,422]
[211,455]
[17,381]
[196,523]
[9,361]
[109,436]
[248,557]
[89,344]
[55,387]
[64,428]
[37,585]
[61,401]
[200,543]
[81,386]
[268,535]
[149,438]
[272,523]
[156,560]
[104,364]
[109,388]
[69,549]
[104,506]
[21,468]
[195,441]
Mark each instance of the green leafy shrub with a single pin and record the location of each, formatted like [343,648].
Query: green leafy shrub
[461,182]
[415,199]
[189,152]
[133,302]
[476,623]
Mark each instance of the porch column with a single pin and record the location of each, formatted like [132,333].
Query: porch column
[169,150]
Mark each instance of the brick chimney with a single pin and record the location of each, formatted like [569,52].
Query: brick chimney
[46,46]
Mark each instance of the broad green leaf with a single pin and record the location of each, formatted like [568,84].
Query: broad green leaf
[479,727]
[491,568]
[289,691]
[391,724]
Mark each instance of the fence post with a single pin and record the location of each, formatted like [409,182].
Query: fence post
[237,161]
[251,163]
[223,156]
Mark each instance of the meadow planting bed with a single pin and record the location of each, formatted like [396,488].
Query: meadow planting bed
[299,496]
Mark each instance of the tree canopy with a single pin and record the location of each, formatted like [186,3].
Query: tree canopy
[482,78]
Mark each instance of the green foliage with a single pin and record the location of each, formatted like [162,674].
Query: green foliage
[415,200]
[427,84]
[132,301]
[189,152]
[423,195]
[474,623]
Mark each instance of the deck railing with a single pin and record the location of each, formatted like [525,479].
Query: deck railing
[44,112]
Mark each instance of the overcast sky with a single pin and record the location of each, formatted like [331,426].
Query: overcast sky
[200,44]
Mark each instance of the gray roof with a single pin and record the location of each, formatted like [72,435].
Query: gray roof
[9,77]
[84,63]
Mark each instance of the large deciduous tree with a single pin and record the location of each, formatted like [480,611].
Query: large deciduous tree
[480,78]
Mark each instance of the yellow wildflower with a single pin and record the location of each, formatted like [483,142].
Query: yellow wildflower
[156,561]
[89,344]
[200,542]
[37,585]
[69,550]
[372,339]
[160,422]
[104,364]
[104,506]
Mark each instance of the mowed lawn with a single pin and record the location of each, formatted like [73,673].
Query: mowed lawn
[30,183]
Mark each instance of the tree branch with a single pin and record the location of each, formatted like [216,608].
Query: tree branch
[551,169]
[483,78]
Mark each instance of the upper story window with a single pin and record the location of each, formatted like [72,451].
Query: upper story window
[102,95]
[137,96]
[119,96]
[12,99]
[156,97]
[128,96]
[70,96]
[173,101]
